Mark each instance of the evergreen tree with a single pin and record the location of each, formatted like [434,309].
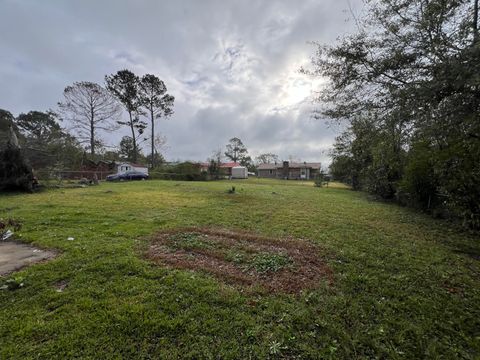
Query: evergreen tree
[125,86]
[156,103]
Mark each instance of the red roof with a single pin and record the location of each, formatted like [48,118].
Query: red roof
[222,165]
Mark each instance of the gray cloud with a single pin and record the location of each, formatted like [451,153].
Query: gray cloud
[232,65]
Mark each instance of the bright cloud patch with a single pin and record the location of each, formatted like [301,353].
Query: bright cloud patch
[232,66]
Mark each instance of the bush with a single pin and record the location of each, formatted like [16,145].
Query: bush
[15,173]
[185,171]
[419,185]
[321,179]
[443,181]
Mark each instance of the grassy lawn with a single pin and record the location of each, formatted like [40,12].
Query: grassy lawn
[404,285]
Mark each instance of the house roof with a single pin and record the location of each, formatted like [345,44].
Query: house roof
[132,164]
[222,165]
[311,165]
[229,164]
[267,166]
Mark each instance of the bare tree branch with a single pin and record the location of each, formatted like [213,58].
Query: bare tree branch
[89,108]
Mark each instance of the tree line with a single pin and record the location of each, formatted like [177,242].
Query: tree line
[90,108]
[407,83]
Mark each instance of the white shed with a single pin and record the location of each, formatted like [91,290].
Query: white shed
[239,172]
[126,166]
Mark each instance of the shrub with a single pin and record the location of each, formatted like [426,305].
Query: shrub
[321,179]
[15,173]
[185,171]
[419,186]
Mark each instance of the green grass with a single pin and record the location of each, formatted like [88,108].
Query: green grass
[405,286]
[189,241]
[266,262]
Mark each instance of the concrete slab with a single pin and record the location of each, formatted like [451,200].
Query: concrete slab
[14,256]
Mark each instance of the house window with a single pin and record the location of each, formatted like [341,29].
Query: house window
[271,172]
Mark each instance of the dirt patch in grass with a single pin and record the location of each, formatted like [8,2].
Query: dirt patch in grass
[15,255]
[279,265]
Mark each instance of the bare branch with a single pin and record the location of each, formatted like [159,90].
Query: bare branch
[89,108]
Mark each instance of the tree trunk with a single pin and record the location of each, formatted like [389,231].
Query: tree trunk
[475,21]
[134,141]
[92,135]
[152,118]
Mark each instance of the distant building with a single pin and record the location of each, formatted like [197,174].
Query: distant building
[123,167]
[239,172]
[226,168]
[289,171]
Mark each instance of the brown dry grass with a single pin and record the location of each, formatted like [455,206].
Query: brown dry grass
[306,270]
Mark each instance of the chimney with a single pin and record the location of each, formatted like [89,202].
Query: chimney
[285,170]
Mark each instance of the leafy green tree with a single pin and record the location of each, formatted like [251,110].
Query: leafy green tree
[156,103]
[248,163]
[125,86]
[112,155]
[352,156]
[236,150]
[419,185]
[128,151]
[39,126]
[267,158]
[411,70]
[45,143]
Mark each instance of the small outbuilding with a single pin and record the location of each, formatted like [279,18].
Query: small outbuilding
[239,172]
[126,166]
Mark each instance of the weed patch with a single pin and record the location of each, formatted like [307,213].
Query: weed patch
[266,262]
[278,265]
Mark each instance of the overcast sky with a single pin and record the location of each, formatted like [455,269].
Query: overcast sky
[231,65]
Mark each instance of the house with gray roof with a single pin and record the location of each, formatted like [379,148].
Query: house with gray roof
[289,170]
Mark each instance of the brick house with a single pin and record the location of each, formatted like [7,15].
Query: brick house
[289,171]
